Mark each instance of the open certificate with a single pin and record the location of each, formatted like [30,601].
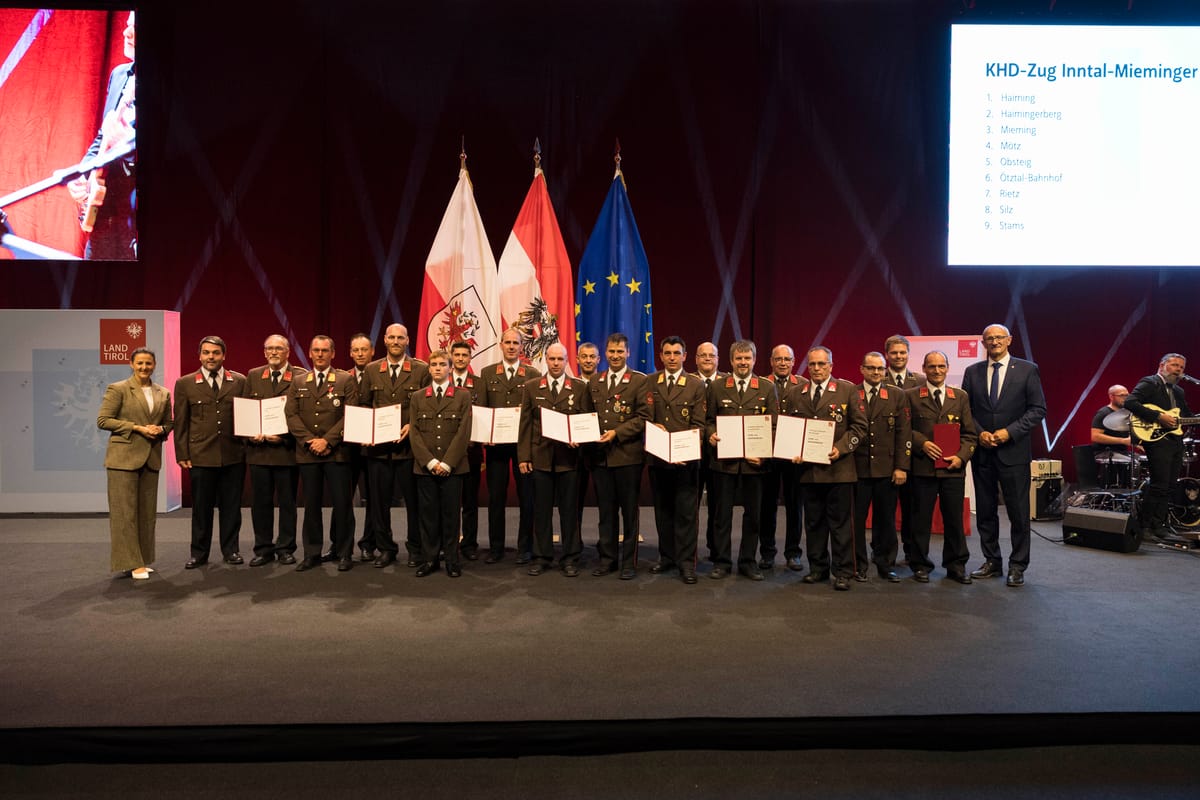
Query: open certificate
[570,428]
[495,425]
[674,448]
[372,425]
[809,439]
[744,436]
[259,417]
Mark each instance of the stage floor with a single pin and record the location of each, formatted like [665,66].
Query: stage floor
[1091,631]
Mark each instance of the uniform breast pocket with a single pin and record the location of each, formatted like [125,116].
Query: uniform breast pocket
[426,422]
[200,410]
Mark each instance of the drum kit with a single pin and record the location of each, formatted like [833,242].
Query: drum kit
[1124,474]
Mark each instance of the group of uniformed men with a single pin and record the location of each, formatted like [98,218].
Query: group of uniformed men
[884,452]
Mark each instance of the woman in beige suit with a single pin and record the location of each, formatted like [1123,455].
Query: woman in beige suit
[137,413]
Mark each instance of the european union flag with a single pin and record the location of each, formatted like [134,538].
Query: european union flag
[613,295]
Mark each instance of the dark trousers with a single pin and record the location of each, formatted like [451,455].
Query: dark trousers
[708,485]
[383,475]
[212,488]
[827,526]
[270,483]
[904,496]
[676,491]
[440,501]
[556,490]
[585,474]
[359,480]
[1165,459]
[316,477]
[1014,485]
[729,487]
[470,506]
[617,496]
[951,493]
[879,495]
[782,476]
[502,460]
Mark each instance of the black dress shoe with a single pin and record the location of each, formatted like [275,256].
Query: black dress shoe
[259,561]
[766,563]
[384,559]
[795,564]
[493,558]
[471,556]
[330,556]
[1016,577]
[660,567]
[366,555]
[628,574]
[571,571]
[815,577]
[524,559]
[841,583]
[428,568]
[988,570]
[454,570]
[345,564]
[537,569]
[750,571]
[960,577]
[412,563]
[603,570]
[718,573]
[286,558]
[861,576]
[234,558]
[688,576]
[309,563]
[889,574]
[192,563]
[920,575]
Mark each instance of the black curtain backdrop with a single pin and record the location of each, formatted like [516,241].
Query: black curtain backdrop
[785,160]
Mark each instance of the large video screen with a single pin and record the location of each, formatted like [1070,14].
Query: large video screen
[1074,146]
[68,175]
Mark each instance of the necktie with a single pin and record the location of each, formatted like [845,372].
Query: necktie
[707,382]
[817,394]
[510,373]
[937,398]
[359,374]
[994,391]
[395,371]
[671,382]
[612,381]
[439,393]
[554,388]
[320,381]
[871,398]
[275,379]
[216,386]
[460,383]
[741,389]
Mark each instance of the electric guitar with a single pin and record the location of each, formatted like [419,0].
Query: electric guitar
[1152,431]
[116,130]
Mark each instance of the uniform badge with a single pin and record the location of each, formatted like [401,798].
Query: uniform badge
[337,402]
[684,412]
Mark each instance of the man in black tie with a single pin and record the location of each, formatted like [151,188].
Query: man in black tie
[362,351]
[707,371]
[896,348]
[1007,404]
[463,378]
[781,474]
[1158,401]
[587,355]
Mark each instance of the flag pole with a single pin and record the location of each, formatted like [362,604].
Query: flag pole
[617,160]
[462,155]
[537,156]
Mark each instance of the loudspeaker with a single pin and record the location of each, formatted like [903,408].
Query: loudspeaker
[1104,530]
[1042,494]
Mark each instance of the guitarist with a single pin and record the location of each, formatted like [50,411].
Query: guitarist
[1159,401]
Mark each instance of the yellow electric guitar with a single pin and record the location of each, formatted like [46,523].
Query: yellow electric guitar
[117,129]
[1152,431]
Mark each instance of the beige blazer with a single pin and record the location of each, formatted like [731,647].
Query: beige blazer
[123,407]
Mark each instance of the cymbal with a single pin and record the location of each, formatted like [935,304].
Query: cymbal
[1117,421]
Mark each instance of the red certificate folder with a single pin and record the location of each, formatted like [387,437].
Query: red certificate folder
[945,436]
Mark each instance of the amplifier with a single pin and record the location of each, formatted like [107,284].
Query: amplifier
[1046,468]
[1104,530]
[1042,494]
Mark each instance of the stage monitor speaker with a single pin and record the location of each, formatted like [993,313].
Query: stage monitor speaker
[1104,530]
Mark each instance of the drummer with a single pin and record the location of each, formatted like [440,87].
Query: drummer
[1110,438]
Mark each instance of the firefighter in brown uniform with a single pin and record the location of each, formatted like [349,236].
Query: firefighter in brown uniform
[463,378]
[932,403]
[828,489]
[742,393]
[362,353]
[780,474]
[272,461]
[316,410]
[616,460]
[882,463]
[895,349]
[677,402]
[391,381]
[707,372]
[441,431]
[206,447]
[553,465]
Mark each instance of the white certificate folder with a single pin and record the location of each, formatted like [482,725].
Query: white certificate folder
[674,447]
[744,436]
[495,425]
[372,425]
[259,417]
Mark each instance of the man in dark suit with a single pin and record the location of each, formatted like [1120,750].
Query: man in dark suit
[676,402]
[939,476]
[896,348]
[619,400]
[206,447]
[504,387]
[463,378]
[553,465]
[272,461]
[882,464]
[391,381]
[740,394]
[1158,400]
[441,430]
[316,411]
[828,489]
[1007,403]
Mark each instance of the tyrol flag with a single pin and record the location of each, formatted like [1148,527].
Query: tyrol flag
[535,279]
[460,300]
[613,295]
